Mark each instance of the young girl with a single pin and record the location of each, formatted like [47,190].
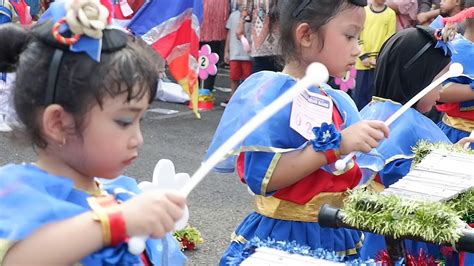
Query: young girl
[407,63]
[83,118]
[290,175]
[457,96]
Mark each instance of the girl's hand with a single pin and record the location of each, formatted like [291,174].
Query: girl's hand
[363,136]
[464,142]
[153,213]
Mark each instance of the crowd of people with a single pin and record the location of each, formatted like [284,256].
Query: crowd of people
[74,200]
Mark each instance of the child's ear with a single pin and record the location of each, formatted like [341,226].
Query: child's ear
[57,124]
[303,35]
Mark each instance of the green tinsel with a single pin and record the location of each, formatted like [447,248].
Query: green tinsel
[423,148]
[463,204]
[390,215]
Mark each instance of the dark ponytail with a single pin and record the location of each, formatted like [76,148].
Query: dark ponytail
[15,39]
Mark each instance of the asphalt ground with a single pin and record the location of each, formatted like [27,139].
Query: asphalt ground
[217,205]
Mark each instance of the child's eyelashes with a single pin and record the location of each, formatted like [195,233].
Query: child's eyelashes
[124,122]
[350,37]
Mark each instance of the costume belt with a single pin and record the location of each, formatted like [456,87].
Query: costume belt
[285,210]
[458,123]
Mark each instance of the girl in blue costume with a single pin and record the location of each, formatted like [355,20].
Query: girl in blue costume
[292,176]
[407,63]
[83,119]
[457,96]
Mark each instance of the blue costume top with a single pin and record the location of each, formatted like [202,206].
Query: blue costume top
[405,132]
[290,213]
[31,198]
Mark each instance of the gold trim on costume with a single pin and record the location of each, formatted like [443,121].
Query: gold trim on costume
[458,123]
[238,239]
[285,210]
[380,99]
[397,157]
[269,173]
[5,245]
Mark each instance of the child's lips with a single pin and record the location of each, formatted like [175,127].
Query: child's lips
[129,161]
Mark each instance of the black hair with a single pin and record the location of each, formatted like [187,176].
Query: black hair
[81,82]
[315,13]
[17,41]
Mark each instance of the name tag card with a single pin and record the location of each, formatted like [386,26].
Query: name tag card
[310,110]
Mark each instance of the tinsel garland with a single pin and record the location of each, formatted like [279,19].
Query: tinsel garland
[463,204]
[423,148]
[390,215]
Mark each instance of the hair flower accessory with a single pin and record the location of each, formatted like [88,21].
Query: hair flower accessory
[85,20]
[326,138]
[88,17]
[444,36]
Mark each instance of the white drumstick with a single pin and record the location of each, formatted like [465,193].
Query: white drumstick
[455,70]
[316,74]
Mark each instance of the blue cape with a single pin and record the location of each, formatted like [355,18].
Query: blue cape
[31,198]
[275,135]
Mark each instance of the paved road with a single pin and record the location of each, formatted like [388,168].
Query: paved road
[218,203]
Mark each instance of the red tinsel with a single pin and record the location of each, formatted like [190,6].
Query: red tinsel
[422,259]
[188,245]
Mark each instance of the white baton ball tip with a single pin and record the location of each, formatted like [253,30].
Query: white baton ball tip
[456,69]
[340,164]
[317,72]
[136,245]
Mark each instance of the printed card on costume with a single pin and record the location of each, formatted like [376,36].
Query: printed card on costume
[125,8]
[310,110]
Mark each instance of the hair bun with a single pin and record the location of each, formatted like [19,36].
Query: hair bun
[112,39]
[18,39]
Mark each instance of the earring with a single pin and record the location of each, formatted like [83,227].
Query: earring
[62,143]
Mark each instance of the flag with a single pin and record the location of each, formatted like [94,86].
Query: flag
[172,29]
[123,11]
[22,10]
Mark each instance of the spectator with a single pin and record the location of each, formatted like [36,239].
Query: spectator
[427,11]
[265,38]
[406,11]
[380,23]
[213,31]
[236,55]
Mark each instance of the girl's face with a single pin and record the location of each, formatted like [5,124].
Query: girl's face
[111,138]
[426,103]
[341,47]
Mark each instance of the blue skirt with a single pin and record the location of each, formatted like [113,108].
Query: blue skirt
[344,242]
[454,134]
